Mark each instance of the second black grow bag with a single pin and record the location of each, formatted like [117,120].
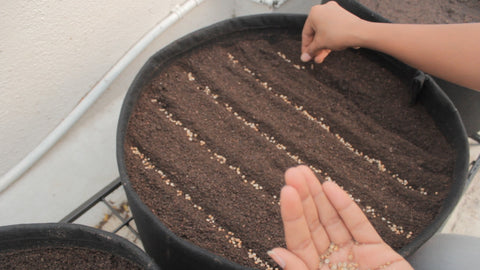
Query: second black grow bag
[38,246]
[171,251]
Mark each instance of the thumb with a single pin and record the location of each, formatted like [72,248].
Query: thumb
[286,259]
[315,52]
[321,55]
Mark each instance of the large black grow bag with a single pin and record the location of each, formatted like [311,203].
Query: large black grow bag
[27,237]
[173,252]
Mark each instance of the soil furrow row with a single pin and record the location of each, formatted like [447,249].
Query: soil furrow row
[294,133]
[222,131]
[392,227]
[193,137]
[342,140]
[224,236]
[219,189]
[396,229]
[380,166]
[365,82]
[345,118]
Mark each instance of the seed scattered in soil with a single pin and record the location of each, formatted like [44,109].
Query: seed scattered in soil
[381,167]
[393,227]
[230,56]
[219,158]
[230,236]
[258,261]
[190,76]
[369,210]
[269,138]
[284,57]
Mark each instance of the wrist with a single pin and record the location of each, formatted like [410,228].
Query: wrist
[362,34]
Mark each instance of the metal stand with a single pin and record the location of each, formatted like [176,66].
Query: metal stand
[99,197]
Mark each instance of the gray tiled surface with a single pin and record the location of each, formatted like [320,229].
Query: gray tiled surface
[465,219]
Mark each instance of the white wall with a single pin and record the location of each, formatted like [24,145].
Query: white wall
[52,53]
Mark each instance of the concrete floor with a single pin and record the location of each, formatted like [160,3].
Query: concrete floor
[465,219]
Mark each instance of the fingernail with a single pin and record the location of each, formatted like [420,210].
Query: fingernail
[276,258]
[305,57]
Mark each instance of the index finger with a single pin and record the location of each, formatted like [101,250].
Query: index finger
[307,34]
[354,219]
[296,178]
[333,224]
[297,233]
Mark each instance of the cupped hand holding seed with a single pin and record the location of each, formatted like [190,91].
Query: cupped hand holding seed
[325,229]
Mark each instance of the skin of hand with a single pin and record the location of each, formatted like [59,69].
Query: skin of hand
[448,51]
[324,227]
[327,28]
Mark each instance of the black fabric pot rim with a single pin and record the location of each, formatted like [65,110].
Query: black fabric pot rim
[39,235]
[438,104]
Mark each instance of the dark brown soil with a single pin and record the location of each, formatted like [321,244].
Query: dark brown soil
[212,135]
[426,11]
[62,258]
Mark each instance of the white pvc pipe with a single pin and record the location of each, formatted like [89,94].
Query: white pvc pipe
[13,174]
[271,3]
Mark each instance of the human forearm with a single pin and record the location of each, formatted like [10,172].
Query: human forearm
[451,52]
